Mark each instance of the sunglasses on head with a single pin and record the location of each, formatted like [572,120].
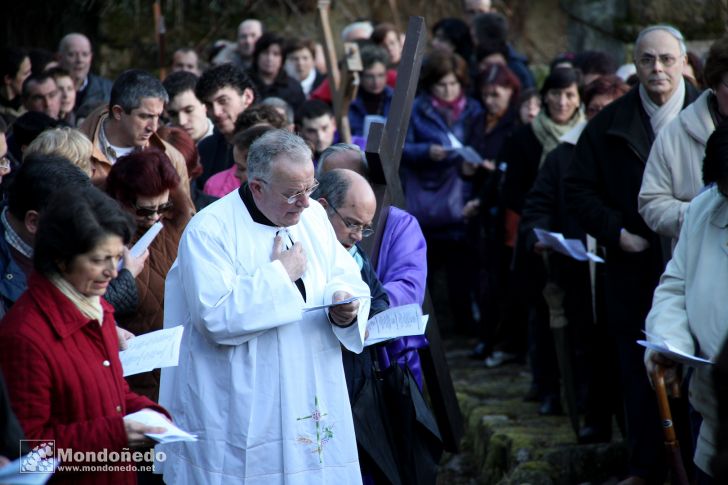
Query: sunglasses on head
[151,211]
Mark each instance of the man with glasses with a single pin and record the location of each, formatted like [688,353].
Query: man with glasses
[601,190]
[5,163]
[401,263]
[260,377]
[673,175]
[350,204]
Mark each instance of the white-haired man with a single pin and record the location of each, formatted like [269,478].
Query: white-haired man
[602,187]
[75,56]
[260,378]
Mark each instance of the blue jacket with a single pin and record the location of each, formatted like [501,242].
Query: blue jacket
[12,279]
[427,127]
[357,111]
[420,174]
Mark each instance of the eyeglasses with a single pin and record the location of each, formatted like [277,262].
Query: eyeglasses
[291,199]
[151,211]
[366,231]
[4,165]
[665,59]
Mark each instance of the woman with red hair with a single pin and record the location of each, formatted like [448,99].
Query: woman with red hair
[145,183]
[183,142]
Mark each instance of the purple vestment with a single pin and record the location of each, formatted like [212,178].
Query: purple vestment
[402,269]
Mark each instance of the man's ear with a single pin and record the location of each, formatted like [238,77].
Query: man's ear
[333,121]
[116,112]
[31,222]
[324,203]
[248,97]
[256,186]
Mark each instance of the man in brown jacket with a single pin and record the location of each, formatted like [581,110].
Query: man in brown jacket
[130,123]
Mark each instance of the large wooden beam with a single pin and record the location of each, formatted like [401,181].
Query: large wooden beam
[384,152]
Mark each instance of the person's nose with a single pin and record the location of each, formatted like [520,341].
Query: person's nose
[111,270]
[182,119]
[303,201]
[153,124]
[356,235]
[217,110]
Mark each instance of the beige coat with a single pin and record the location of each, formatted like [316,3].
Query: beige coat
[674,171]
[101,166]
[688,310]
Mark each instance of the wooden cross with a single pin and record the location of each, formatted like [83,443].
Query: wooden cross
[384,151]
[159,32]
[344,84]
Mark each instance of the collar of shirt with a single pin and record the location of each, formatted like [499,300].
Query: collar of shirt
[111,152]
[13,238]
[307,84]
[210,129]
[255,213]
[354,251]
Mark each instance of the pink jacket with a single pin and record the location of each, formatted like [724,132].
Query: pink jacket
[222,183]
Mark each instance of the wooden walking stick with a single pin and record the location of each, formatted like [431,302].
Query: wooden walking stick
[679,476]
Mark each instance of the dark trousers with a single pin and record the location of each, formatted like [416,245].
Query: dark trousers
[459,260]
[644,432]
[541,351]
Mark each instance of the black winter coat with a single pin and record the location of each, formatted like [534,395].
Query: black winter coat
[602,185]
[522,154]
[216,155]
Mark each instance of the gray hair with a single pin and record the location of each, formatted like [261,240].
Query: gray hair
[270,146]
[133,85]
[281,103]
[364,25]
[665,28]
[333,186]
[339,148]
[63,44]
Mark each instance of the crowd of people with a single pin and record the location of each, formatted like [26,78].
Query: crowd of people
[264,208]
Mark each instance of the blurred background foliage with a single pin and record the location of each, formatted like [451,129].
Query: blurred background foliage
[122,31]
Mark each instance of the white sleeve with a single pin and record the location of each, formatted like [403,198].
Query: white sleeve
[668,318]
[344,275]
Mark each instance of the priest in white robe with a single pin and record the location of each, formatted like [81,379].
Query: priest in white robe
[260,379]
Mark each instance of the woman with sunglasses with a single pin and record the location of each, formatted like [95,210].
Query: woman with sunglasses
[145,184]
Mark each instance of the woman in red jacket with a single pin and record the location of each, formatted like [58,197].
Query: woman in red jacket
[59,350]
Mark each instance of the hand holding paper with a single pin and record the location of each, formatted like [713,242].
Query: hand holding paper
[344,309]
[164,431]
[143,243]
[152,351]
[340,302]
[573,248]
[671,352]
